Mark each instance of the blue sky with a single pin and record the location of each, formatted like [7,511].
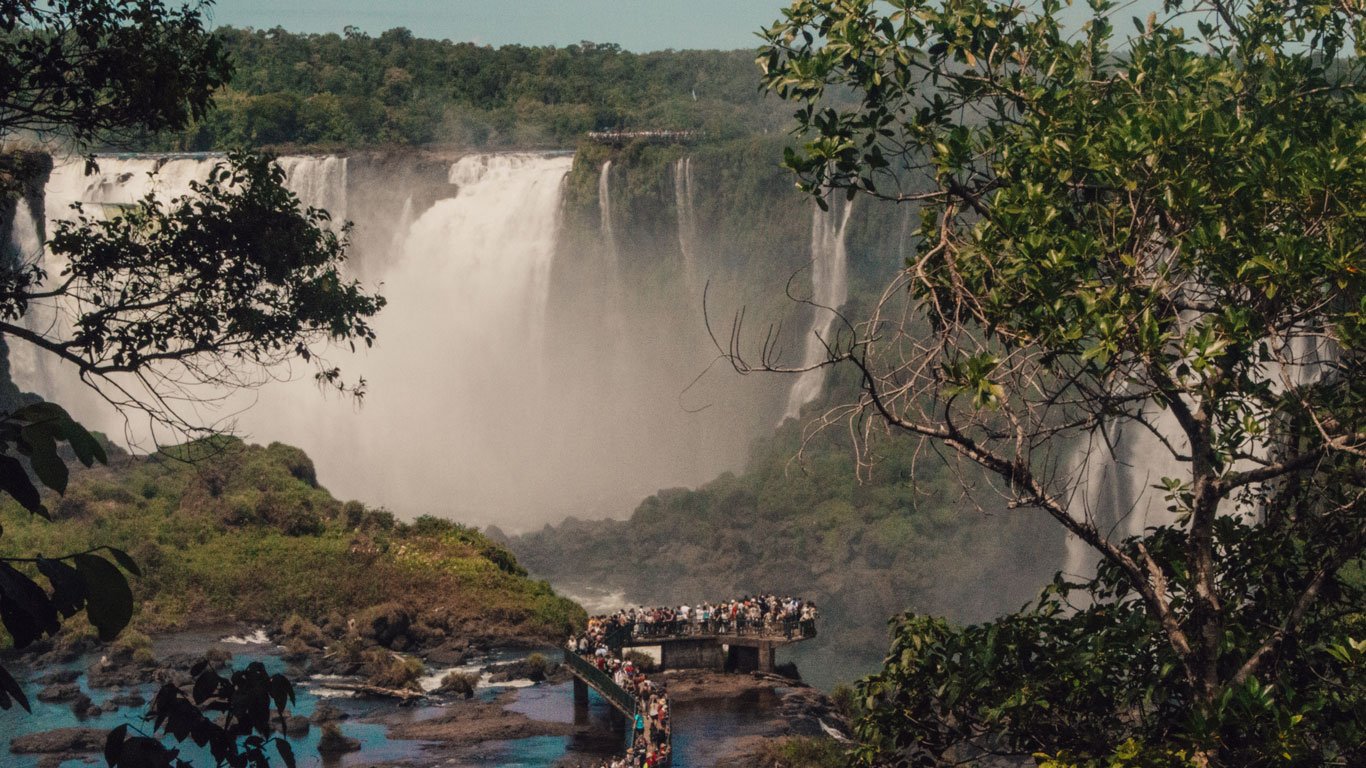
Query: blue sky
[638,25]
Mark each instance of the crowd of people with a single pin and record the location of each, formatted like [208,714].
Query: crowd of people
[761,615]
[601,643]
[651,732]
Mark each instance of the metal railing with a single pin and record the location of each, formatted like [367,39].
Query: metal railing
[602,682]
[645,631]
[619,138]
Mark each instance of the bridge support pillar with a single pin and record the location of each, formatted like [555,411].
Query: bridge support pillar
[766,657]
[581,713]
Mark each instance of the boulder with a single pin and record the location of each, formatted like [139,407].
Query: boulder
[72,741]
[61,676]
[522,669]
[60,692]
[334,742]
[326,713]
[295,726]
[127,700]
[83,707]
[106,673]
[451,653]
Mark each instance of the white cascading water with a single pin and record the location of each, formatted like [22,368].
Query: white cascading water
[472,411]
[26,247]
[1118,484]
[687,220]
[319,182]
[456,394]
[829,290]
[1115,484]
[609,235]
[122,181]
[614,310]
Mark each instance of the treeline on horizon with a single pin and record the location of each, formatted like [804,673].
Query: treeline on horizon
[354,89]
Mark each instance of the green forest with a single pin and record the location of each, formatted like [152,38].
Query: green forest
[397,89]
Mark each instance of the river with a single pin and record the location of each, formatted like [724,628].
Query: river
[703,730]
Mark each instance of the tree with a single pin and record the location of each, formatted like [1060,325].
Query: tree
[91,69]
[1161,233]
[209,289]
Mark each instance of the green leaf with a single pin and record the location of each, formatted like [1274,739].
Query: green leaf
[286,752]
[43,457]
[109,603]
[68,590]
[88,449]
[281,692]
[10,691]
[14,481]
[123,559]
[113,745]
[25,608]
[41,412]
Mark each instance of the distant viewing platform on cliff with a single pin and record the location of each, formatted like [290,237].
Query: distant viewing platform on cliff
[619,138]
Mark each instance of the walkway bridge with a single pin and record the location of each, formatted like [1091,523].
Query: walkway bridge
[737,645]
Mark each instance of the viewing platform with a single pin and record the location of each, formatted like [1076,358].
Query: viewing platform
[621,138]
[740,646]
[739,636]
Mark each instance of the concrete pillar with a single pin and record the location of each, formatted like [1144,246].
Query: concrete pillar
[766,657]
[581,712]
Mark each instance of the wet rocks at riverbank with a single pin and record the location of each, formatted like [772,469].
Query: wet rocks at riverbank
[472,722]
[59,745]
[333,742]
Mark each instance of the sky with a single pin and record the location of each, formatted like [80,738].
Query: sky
[637,25]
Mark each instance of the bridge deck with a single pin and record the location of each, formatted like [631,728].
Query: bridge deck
[602,683]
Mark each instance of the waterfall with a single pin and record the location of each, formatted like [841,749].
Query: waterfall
[405,223]
[611,257]
[829,290]
[473,410]
[605,204]
[319,182]
[1117,472]
[25,248]
[122,181]
[687,220]
[457,389]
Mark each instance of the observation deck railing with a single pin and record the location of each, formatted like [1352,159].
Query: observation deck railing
[646,633]
[619,138]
